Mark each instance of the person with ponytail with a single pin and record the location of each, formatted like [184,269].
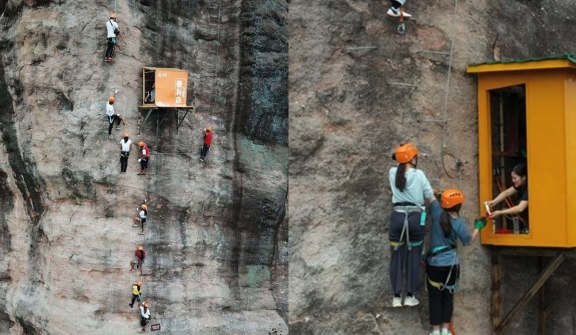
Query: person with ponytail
[411,191]
[442,265]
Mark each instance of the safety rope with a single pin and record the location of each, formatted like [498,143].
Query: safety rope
[446,90]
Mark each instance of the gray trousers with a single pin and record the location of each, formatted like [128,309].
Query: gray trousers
[405,258]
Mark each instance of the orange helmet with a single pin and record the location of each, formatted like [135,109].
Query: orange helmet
[140,144]
[139,283]
[113,16]
[208,128]
[126,135]
[140,248]
[144,207]
[146,304]
[111,100]
[405,153]
[451,198]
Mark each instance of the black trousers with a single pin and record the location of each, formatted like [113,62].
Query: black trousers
[111,123]
[441,301]
[204,151]
[134,297]
[124,160]
[110,49]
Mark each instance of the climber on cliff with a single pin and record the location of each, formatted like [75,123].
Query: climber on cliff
[124,152]
[411,191]
[139,261]
[112,116]
[207,143]
[136,293]
[144,157]
[143,213]
[396,7]
[111,33]
[144,315]
[442,264]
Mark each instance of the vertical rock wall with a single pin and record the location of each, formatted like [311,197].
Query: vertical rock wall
[217,256]
[357,90]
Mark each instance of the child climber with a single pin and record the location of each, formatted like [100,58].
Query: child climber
[443,268]
[143,213]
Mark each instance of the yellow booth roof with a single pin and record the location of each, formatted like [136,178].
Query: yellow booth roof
[550,62]
[171,69]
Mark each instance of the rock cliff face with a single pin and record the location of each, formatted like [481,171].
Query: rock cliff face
[217,233]
[357,90]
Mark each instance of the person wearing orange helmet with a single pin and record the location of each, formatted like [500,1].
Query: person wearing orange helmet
[207,143]
[144,157]
[139,262]
[144,315]
[410,192]
[125,143]
[136,293]
[112,31]
[442,265]
[143,213]
[112,116]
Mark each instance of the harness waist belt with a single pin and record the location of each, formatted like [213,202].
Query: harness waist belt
[442,250]
[405,203]
[408,209]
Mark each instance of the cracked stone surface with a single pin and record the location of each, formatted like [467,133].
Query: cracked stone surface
[217,234]
[357,90]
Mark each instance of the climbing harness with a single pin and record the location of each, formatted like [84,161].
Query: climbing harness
[407,209]
[444,286]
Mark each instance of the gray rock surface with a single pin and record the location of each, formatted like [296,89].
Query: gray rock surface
[357,90]
[217,235]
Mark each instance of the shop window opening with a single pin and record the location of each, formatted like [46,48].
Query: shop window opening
[508,123]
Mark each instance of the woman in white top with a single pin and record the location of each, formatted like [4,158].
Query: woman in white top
[144,315]
[124,152]
[410,191]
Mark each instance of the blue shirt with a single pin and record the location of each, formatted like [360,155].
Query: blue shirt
[437,239]
[417,188]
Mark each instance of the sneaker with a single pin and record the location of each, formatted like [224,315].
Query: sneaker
[131,306]
[435,332]
[106,59]
[396,302]
[411,301]
[396,13]
[445,332]
[110,136]
[201,159]
[118,128]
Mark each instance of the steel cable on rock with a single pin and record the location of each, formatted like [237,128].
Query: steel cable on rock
[446,90]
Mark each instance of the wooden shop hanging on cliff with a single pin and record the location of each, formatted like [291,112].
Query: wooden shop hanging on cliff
[526,114]
[163,90]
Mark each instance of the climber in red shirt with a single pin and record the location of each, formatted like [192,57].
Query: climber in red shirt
[207,142]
